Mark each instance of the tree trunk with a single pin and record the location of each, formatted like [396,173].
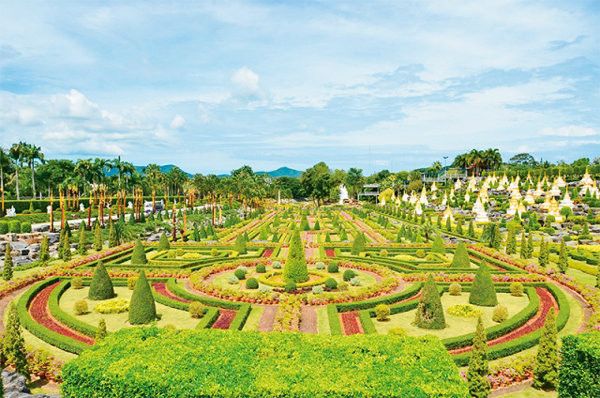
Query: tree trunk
[17,177]
[33,180]
[2,189]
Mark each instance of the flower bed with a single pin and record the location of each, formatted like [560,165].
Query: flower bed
[224,320]
[351,323]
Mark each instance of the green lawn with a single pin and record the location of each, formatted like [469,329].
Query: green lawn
[456,325]
[253,320]
[323,320]
[531,393]
[169,316]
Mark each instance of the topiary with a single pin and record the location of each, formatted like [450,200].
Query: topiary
[240,273]
[483,292]
[77,283]
[240,244]
[196,309]
[547,362]
[333,268]
[81,307]
[102,332]
[13,344]
[461,257]
[438,245]
[477,374]
[500,314]
[382,311]
[7,272]
[516,289]
[252,283]
[290,286]
[101,287]
[295,265]
[348,275]
[330,284]
[359,244]
[455,289]
[97,238]
[138,256]
[142,308]
[430,313]
[163,243]
[260,268]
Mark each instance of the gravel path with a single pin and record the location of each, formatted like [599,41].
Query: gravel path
[268,317]
[308,320]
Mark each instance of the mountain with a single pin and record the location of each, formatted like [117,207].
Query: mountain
[282,172]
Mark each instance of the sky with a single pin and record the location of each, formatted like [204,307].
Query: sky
[211,86]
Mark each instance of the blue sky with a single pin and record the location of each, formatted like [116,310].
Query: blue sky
[211,86]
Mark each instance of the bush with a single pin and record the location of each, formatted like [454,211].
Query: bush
[26,227]
[382,311]
[131,281]
[240,274]
[290,286]
[3,228]
[348,275]
[187,368]
[317,290]
[420,253]
[330,284]
[252,283]
[464,311]
[430,313]
[516,289]
[197,310]
[139,254]
[101,287]
[320,265]
[500,314]
[233,280]
[81,307]
[260,268]
[77,283]
[115,306]
[343,286]
[579,374]
[163,243]
[142,308]
[333,268]
[14,227]
[455,289]
[461,257]
[276,265]
[483,292]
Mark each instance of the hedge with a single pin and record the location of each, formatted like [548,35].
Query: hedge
[335,326]
[579,375]
[53,338]
[367,324]
[240,317]
[202,363]
[389,299]
[177,290]
[64,317]
[209,318]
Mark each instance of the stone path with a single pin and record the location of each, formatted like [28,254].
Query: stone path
[308,319]
[267,319]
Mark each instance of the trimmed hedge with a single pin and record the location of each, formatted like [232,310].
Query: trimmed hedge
[335,326]
[64,317]
[210,317]
[53,338]
[256,365]
[367,324]
[411,291]
[177,290]
[240,317]
[579,375]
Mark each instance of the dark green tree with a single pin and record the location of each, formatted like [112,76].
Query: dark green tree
[44,249]
[138,256]
[547,363]
[543,257]
[477,374]
[142,308]
[101,286]
[563,258]
[13,344]
[430,313]
[97,238]
[7,273]
[163,243]
[511,241]
[483,292]
[81,244]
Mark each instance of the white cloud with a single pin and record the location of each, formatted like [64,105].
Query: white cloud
[75,104]
[246,81]
[569,131]
[177,122]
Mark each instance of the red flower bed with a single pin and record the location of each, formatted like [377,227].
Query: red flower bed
[547,301]
[161,289]
[267,253]
[38,308]
[330,252]
[224,320]
[351,323]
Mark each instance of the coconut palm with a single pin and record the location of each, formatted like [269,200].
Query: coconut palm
[17,153]
[33,154]
[5,166]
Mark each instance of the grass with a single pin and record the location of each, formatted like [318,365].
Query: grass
[253,320]
[531,392]
[322,320]
[169,316]
[456,325]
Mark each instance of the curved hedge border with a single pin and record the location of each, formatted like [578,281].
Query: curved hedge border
[53,338]
[177,290]
[210,317]
[389,299]
[240,317]
[64,317]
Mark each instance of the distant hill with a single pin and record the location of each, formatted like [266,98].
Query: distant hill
[282,172]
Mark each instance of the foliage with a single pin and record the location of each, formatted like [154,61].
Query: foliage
[142,308]
[483,292]
[500,314]
[102,332]
[359,244]
[187,369]
[97,238]
[101,287]
[13,344]
[430,313]
[464,311]
[7,272]
[331,284]
[196,310]
[252,283]
[545,371]
[579,375]
[382,311]
[240,244]
[461,257]
[477,374]
[81,307]
[455,289]
[563,257]
[516,289]
[114,306]
[438,245]
[295,268]
[138,256]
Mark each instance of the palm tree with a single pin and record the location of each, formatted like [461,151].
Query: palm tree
[17,153]
[32,154]
[123,169]
[5,164]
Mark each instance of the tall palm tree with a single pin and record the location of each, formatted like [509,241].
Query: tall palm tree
[32,155]
[17,153]
[5,163]
[125,169]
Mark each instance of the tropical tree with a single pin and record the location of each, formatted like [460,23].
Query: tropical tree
[17,153]
[32,155]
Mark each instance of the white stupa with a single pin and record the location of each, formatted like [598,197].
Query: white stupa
[458,184]
[423,199]
[413,198]
[538,190]
[447,214]
[554,190]
[566,201]
[445,199]
[418,209]
[405,197]
[529,198]
[433,187]
[480,214]
[343,194]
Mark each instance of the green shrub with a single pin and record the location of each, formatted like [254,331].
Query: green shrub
[477,374]
[455,289]
[500,314]
[461,257]
[438,245]
[114,306]
[196,310]
[26,227]
[464,311]
[142,308]
[188,369]
[3,227]
[7,272]
[579,375]
[276,265]
[77,283]
[420,253]
[252,283]
[330,284]
[333,268]
[483,292]
[516,289]
[430,313]
[240,273]
[260,268]
[138,256]
[163,243]
[348,275]
[14,227]
[131,281]
[295,265]
[81,307]
[397,332]
[101,287]
[290,286]
[382,312]
[545,370]
[359,244]
[240,244]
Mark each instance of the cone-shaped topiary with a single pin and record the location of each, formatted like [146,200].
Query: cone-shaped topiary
[139,254]
[461,257]
[44,249]
[101,287]
[142,308]
[511,241]
[240,244]
[430,313]
[477,374]
[163,243]
[13,344]
[97,238]
[7,273]
[483,292]
[545,371]
[295,268]
[563,258]
[438,245]
[543,256]
[358,245]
